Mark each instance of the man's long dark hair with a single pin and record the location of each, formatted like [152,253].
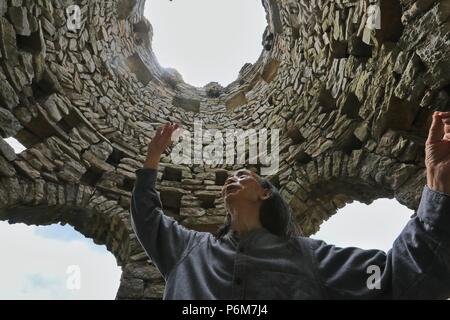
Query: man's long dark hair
[275,215]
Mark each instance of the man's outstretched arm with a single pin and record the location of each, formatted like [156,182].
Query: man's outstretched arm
[418,265]
[163,238]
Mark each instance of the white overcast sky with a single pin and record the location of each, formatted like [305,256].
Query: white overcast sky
[36,264]
[205,40]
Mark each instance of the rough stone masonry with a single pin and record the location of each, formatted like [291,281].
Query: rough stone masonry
[353,116]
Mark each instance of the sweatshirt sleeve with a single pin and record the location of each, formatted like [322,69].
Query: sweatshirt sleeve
[164,240]
[417,266]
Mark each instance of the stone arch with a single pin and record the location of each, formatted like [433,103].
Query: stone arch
[40,202]
[316,190]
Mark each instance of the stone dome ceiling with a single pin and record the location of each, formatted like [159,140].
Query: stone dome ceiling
[353,116]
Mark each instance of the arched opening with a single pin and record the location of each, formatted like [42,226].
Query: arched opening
[373,226]
[55,262]
[207,40]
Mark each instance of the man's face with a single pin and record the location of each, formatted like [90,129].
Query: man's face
[244,186]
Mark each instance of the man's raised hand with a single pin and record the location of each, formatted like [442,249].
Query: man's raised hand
[159,144]
[437,153]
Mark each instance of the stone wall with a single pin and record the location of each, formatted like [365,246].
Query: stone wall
[353,116]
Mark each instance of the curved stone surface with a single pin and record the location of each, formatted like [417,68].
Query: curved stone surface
[353,106]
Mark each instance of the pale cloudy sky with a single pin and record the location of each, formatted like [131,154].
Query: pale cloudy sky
[197,38]
[372,226]
[207,40]
[36,264]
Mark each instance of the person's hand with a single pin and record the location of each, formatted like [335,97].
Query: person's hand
[159,144]
[437,153]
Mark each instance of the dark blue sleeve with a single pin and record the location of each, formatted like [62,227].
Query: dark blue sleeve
[163,238]
[417,266]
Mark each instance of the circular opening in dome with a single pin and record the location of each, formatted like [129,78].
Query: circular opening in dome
[207,40]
